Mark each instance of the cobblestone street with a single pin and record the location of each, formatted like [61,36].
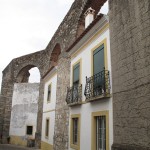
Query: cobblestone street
[13,147]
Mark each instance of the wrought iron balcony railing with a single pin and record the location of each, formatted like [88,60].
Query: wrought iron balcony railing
[74,95]
[97,85]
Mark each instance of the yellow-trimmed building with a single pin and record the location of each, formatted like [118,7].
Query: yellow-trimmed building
[89,94]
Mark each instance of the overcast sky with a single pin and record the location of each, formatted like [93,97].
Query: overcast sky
[27,26]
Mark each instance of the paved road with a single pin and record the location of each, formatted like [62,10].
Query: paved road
[12,147]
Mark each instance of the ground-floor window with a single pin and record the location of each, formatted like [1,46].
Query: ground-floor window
[100,131]
[75,131]
[29,130]
[47,128]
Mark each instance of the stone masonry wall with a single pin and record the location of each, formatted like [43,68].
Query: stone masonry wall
[62,110]
[130,55]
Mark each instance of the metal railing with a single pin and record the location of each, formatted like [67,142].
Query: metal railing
[74,94]
[97,85]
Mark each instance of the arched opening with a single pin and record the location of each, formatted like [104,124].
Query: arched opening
[25,102]
[28,74]
[55,55]
[34,75]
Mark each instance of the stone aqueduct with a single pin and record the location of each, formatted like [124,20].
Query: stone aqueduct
[125,15]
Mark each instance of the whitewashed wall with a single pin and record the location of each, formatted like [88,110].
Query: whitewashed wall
[85,110]
[49,108]
[24,108]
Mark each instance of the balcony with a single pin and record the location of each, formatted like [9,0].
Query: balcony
[74,95]
[97,86]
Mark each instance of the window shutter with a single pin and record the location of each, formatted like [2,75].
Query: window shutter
[76,72]
[98,60]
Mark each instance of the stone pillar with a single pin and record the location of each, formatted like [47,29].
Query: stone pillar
[2,100]
[39,115]
[130,56]
[6,100]
[62,110]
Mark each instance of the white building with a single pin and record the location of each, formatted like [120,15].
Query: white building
[24,114]
[89,95]
[48,123]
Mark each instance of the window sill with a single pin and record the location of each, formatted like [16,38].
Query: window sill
[76,147]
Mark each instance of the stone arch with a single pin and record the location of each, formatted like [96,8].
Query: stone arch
[55,55]
[23,75]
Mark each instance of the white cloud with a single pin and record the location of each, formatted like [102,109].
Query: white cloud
[27,26]
[64,2]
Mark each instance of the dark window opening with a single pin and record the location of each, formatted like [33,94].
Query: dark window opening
[49,93]
[29,130]
[75,130]
[47,128]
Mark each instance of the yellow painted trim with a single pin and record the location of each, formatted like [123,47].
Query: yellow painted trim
[93,128]
[105,54]
[46,146]
[49,111]
[80,71]
[49,101]
[47,137]
[18,140]
[77,146]
[90,41]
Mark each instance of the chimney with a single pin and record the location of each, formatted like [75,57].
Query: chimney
[89,16]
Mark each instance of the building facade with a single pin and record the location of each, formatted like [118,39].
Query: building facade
[86,102]
[49,104]
[89,94]
[24,114]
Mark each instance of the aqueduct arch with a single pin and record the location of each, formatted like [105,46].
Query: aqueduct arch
[55,55]
[23,75]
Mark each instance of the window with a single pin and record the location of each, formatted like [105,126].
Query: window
[29,130]
[100,131]
[75,132]
[98,71]
[76,73]
[47,128]
[98,59]
[49,93]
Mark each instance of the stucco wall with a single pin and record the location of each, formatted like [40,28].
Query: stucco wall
[24,110]
[84,53]
[49,109]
